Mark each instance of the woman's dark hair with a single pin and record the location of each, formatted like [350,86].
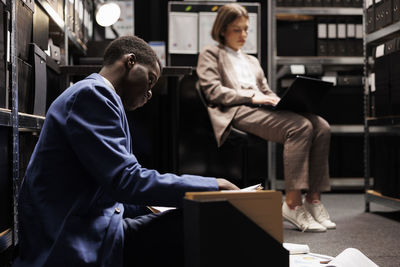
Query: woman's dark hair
[226,15]
[127,45]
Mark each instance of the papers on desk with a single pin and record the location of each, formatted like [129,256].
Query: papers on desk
[350,257]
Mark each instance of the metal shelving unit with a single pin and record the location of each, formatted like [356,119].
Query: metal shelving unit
[19,122]
[391,124]
[274,61]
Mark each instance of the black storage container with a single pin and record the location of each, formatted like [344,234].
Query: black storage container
[303,32]
[370,19]
[40,28]
[343,104]
[40,80]
[327,3]
[3,60]
[5,180]
[317,2]
[396,10]
[337,3]
[24,16]
[24,86]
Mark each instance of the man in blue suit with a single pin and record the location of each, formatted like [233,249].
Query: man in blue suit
[83,192]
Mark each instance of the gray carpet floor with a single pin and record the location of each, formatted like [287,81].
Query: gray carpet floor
[376,234]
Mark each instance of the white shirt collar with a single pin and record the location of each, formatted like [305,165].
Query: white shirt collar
[108,83]
[230,50]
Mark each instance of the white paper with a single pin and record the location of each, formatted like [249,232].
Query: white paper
[206,21]
[296,248]
[351,257]
[125,24]
[298,69]
[250,47]
[159,49]
[183,33]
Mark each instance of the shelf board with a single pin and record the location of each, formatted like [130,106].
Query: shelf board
[387,120]
[5,117]
[350,11]
[27,121]
[383,34]
[347,129]
[5,240]
[52,13]
[376,197]
[320,60]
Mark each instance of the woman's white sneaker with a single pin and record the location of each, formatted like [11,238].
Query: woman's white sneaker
[301,218]
[320,214]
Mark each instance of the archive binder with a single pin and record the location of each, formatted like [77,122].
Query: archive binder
[332,39]
[396,10]
[247,225]
[322,41]
[370,19]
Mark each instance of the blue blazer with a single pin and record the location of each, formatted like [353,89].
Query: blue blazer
[80,175]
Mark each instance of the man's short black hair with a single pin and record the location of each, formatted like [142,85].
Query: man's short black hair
[127,45]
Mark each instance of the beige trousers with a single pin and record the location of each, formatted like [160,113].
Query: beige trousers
[306,140]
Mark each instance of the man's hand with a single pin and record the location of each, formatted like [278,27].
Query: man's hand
[260,98]
[224,184]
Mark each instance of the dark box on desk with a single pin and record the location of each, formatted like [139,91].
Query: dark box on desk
[24,27]
[209,224]
[304,32]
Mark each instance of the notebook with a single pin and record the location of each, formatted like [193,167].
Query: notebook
[304,95]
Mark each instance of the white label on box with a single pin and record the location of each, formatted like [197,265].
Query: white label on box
[322,31]
[332,31]
[297,69]
[371,81]
[380,50]
[342,30]
[351,30]
[359,31]
[331,79]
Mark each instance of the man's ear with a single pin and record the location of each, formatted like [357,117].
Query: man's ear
[131,60]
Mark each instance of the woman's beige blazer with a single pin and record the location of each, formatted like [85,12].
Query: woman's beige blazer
[222,90]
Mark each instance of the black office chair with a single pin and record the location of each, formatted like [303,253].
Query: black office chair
[237,138]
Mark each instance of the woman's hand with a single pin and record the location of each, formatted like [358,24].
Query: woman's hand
[260,98]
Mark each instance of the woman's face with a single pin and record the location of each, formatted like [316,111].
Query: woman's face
[236,33]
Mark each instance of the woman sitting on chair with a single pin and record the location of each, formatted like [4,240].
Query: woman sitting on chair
[232,82]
